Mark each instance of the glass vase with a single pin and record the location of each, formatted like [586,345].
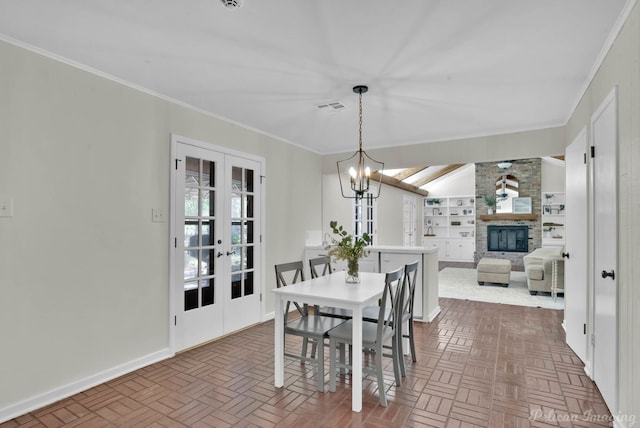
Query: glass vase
[351,274]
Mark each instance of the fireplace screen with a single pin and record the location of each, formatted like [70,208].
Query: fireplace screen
[508,238]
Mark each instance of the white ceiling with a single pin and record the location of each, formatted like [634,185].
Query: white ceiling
[436,69]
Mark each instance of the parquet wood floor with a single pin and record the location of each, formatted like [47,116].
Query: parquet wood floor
[479,365]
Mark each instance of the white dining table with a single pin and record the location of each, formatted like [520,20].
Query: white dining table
[330,290]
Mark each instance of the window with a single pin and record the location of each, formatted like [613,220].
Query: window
[364,216]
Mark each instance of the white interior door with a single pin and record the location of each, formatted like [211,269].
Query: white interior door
[409,220]
[216,259]
[605,323]
[199,234]
[242,236]
[576,265]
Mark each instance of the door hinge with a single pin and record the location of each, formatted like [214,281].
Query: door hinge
[261,297]
[593,151]
[261,239]
[262,177]
[585,158]
[175,242]
[593,340]
[175,320]
[584,329]
[178,160]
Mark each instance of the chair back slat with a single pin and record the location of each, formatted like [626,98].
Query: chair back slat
[409,288]
[392,294]
[323,261]
[295,271]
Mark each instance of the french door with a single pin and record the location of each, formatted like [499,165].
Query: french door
[215,263]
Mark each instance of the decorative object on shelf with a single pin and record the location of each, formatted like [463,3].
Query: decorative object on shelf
[436,201]
[504,165]
[349,249]
[358,167]
[429,232]
[521,205]
[548,196]
[490,201]
[546,209]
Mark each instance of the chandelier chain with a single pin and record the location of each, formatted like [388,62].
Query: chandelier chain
[360,130]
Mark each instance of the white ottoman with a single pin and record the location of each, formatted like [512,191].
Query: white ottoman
[494,270]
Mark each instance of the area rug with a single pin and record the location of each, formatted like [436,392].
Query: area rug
[460,283]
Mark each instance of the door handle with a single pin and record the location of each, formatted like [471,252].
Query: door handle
[220,254]
[611,274]
[565,255]
[229,253]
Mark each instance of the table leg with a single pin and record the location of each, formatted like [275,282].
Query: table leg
[356,373]
[279,344]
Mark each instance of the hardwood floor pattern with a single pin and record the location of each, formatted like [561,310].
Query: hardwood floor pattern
[479,365]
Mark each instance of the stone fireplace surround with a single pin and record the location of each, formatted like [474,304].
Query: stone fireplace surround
[529,174]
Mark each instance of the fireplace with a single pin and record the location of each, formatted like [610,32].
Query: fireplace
[512,239]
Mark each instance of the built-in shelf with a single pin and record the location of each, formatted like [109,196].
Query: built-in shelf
[507,216]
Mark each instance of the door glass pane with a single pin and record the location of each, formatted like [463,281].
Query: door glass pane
[207,206]
[248,283]
[248,264]
[208,262]
[236,286]
[192,172]
[206,290]
[236,205]
[249,206]
[208,174]
[236,179]
[248,232]
[207,233]
[190,295]
[236,259]
[190,264]
[249,180]
[190,202]
[236,233]
[190,234]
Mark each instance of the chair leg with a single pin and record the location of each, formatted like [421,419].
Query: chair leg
[332,364]
[320,364]
[396,356]
[399,351]
[381,389]
[413,345]
[305,342]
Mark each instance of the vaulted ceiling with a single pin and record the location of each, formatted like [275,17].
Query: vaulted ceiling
[436,69]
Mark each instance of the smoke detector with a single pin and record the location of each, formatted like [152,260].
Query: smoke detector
[232,4]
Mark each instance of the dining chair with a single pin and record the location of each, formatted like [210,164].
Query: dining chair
[324,263]
[374,337]
[312,328]
[406,312]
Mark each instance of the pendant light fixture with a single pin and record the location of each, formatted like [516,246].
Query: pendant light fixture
[359,167]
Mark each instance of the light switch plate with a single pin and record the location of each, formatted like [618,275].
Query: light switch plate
[157,215]
[6,207]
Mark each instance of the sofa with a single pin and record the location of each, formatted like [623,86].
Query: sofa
[537,265]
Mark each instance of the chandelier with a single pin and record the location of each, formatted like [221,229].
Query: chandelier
[357,170]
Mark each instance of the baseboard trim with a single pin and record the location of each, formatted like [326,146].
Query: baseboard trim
[587,369]
[429,317]
[434,313]
[22,407]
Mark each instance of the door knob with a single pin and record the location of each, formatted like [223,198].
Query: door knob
[565,255]
[611,274]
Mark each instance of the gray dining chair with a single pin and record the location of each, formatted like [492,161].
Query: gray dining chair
[312,328]
[406,312]
[405,307]
[323,265]
[374,337]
